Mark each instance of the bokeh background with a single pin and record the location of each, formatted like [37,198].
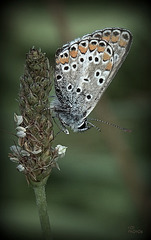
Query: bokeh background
[103,188]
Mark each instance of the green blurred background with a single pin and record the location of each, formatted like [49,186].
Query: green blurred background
[103,188]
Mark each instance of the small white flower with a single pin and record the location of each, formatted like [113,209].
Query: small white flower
[21,129]
[20,168]
[18,119]
[21,134]
[15,149]
[24,153]
[14,159]
[37,151]
[61,150]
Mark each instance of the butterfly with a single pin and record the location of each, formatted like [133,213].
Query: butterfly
[84,69]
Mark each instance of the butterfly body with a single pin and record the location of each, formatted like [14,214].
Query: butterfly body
[84,69]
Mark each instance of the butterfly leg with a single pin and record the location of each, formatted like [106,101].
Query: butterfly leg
[60,126]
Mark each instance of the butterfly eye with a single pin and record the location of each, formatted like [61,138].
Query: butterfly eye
[83,126]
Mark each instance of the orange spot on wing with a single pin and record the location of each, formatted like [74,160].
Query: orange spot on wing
[83,49]
[73,53]
[122,43]
[109,66]
[101,49]
[92,47]
[106,38]
[106,56]
[67,59]
[64,60]
[114,38]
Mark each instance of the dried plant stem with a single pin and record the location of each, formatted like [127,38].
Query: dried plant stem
[40,194]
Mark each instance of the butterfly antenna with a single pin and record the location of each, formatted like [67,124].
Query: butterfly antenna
[111,124]
[92,125]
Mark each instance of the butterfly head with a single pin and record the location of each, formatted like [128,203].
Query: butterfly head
[76,124]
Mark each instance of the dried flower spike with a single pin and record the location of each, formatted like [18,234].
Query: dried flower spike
[34,153]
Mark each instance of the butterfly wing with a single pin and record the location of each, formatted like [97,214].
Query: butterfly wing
[86,66]
[120,40]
